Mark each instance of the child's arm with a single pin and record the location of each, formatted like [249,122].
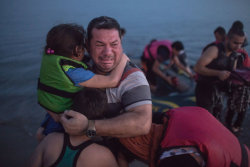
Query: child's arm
[102,81]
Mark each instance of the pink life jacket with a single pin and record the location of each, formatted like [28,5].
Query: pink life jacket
[217,144]
[154,46]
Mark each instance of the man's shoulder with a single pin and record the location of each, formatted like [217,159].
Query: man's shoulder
[213,45]
[212,51]
[130,65]
[131,68]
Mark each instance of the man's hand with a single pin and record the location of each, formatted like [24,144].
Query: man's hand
[223,75]
[74,123]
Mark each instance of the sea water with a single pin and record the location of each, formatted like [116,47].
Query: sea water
[25,23]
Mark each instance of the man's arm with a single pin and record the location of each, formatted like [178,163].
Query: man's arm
[137,121]
[207,57]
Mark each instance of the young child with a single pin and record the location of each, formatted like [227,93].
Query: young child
[63,74]
[62,149]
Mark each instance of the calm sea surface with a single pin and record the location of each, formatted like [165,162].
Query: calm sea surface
[25,23]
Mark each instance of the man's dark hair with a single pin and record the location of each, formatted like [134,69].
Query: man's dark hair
[238,24]
[236,29]
[102,22]
[91,102]
[220,30]
[178,45]
[64,38]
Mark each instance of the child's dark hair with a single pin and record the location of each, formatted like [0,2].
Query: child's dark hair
[178,45]
[64,38]
[91,102]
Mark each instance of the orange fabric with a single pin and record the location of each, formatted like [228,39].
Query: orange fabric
[145,146]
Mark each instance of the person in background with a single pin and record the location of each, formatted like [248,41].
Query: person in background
[129,109]
[180,54]
[238,24]
[219,34]
[63,73]
[246,60]
[238,94]
[62,149]
[155,55]
[214,67]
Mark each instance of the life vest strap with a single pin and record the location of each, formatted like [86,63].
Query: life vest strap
[69,62]
[244,159]
[54,91]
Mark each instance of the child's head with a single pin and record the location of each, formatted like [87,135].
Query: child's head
[91,102]
[66,40]
[177,45]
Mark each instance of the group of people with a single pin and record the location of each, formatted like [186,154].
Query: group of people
[100,113]
[216,72]
[159,55]
[222,72]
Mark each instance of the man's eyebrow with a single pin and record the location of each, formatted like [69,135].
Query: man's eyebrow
[100,42]
[115,41]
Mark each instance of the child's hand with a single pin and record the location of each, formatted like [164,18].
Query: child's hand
[39,134]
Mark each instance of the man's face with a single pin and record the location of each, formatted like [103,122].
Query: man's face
[105,49]
[235,42]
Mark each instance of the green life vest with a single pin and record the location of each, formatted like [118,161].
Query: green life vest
[55,89]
